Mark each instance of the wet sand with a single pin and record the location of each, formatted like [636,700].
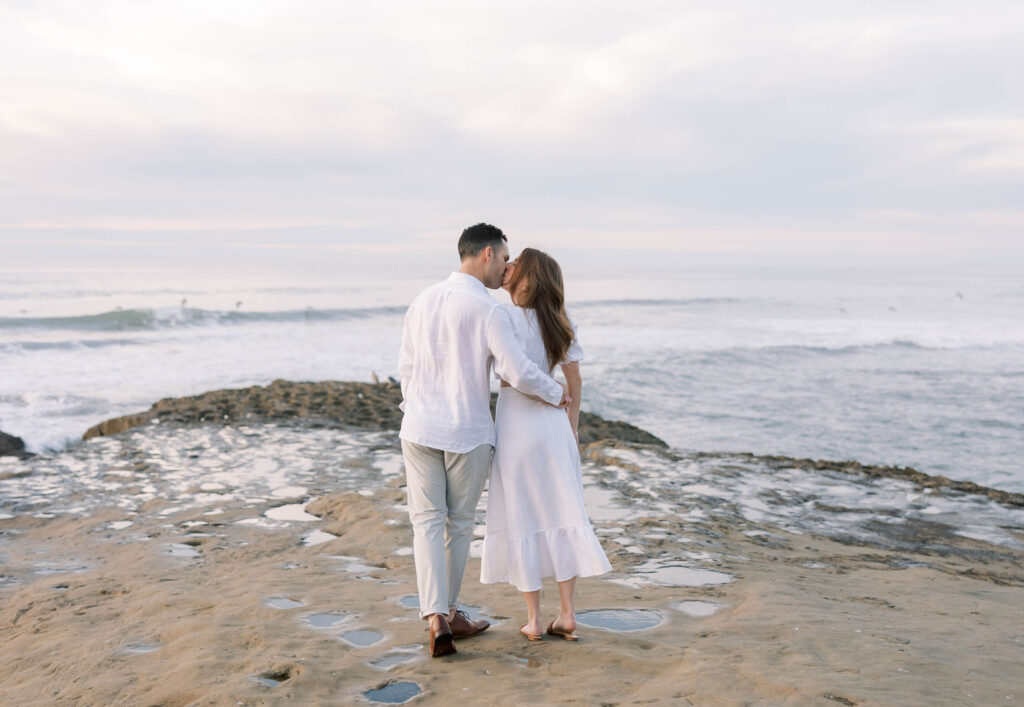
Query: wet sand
[180,599]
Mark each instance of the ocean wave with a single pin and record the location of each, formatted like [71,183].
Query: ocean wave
[77,293]
[56,404]
[44,294]
[14,347]
[693,301]
[840,349]
[848,348]
[176,317]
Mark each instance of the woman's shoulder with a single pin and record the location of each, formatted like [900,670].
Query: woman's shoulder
[514,313]
[518,317]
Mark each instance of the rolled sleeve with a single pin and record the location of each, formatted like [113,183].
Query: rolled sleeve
[405,361]
[575,351]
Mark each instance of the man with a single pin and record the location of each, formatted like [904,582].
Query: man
[454,333]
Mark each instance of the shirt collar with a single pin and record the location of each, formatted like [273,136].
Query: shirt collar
[466,280]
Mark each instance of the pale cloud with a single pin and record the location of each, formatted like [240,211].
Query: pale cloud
[728,126]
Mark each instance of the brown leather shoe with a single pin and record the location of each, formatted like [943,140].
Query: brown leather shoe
[464,627]
[441,638]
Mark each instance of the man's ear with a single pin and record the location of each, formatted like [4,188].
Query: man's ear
[488,254]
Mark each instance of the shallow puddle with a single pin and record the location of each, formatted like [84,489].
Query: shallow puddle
[389,464]
[325,620]
[390,660]
[290,512]
[259,523]
[603,505]
[362,638]
[697,609]
[656,572]
[360,567]
[288,491]
[527,662]
[316,537]
[620,619]
[393,693]
[138,648]
[475,614]
[412,601]
[45,568]
[182,550]
[282,603]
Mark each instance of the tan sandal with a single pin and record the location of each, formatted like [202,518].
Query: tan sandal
[561,632]
[531,636]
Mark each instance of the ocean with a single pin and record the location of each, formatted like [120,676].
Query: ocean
[900,368]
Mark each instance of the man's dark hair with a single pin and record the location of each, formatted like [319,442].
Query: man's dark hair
[476,238]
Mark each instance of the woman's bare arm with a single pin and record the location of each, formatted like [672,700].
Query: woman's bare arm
[571,371]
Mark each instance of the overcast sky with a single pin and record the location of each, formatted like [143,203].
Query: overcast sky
[829,128]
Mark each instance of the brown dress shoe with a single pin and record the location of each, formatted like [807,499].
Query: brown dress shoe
[441,639]
[464,627]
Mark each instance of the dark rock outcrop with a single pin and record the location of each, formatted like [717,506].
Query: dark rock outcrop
[369,405]
[907,473]
[11,446]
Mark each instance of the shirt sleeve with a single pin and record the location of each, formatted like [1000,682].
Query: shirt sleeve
[513,365]
[405,358]
[575,352]
[515,330]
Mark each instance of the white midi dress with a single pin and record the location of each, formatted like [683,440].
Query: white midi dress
[537,525]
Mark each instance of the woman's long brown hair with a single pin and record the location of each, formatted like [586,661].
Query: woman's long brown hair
[536,284]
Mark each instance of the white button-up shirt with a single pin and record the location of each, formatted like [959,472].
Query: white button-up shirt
[454,332]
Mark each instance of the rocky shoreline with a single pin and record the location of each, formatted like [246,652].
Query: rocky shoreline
[253,547]
[374,406]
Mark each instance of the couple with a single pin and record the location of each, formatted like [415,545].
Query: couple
[454,333]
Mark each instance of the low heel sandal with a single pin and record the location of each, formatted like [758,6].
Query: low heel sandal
[561,632]
[531,636]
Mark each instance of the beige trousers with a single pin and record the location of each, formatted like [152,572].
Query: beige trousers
[443,490]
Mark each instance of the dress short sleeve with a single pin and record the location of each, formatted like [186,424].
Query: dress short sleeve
[575,352]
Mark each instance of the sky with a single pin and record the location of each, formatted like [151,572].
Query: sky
[822,131]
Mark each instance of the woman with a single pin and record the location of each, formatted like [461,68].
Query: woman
[536,524]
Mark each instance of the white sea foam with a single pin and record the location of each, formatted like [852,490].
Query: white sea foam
[698,609]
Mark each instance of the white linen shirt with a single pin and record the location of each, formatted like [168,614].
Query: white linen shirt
[454,333]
